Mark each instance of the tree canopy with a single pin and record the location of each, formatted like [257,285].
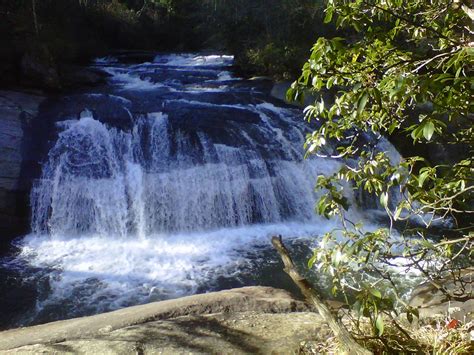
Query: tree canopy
[403,71]
[262,40]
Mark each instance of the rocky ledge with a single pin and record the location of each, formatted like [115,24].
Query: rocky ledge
[16,110]
[432,303]
[245,320]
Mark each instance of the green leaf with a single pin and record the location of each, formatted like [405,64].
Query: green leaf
[362,103]
[291,93]
[375,293]
[358,307]
[379,324]
[356,26]
[384,199]
[328,17]
[427,244]
[428,130]
[330,82]
[337,257]
[422,178]
[398,211]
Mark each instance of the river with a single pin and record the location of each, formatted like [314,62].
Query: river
[167,181]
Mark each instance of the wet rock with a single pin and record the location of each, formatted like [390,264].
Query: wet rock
[132,57]
[200,116]
[16,110]
[73,76]
[110,109]
[38,69]
[279,90]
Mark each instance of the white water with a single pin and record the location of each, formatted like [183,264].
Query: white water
[160,266]
[130,216]
[192,60]
[97,181]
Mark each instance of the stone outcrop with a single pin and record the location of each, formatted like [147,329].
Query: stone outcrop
[16,109]
[222,333]
[245,320]
[38,68]
[75,76]
[431,302]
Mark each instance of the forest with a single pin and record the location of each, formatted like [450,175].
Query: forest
[251,163]
[74,31]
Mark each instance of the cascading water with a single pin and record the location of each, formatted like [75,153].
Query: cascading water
[170,178]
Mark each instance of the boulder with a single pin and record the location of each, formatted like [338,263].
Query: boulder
[434,303]
[279,90]
[244,320]
[38,69]
[74,76]
[221,333]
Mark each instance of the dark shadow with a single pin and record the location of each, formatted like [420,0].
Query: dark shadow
[183,333]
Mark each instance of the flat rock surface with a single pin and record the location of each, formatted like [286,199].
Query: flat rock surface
[244,320]
[223,333]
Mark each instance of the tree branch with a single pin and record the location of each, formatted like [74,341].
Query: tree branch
[469,12]
[339,330]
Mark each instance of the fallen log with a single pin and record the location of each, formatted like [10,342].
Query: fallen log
[345,338]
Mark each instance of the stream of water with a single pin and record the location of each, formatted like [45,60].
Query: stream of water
[165,182]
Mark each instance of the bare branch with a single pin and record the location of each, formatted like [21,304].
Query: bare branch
[311,295]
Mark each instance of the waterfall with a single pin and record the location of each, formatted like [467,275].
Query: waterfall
[104,181]
[169,178]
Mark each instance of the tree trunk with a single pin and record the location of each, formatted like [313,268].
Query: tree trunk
[35,19]
[339,330]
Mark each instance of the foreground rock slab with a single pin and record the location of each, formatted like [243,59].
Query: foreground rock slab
[223,333]
[245,320]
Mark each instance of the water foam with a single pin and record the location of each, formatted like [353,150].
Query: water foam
[106,272]
[128,81]
[192,60]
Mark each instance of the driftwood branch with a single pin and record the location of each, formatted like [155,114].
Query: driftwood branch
[339,330]
[469,12]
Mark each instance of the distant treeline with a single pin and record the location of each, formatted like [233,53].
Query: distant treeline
[268,37]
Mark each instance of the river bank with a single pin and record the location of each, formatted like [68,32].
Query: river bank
[235,321]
